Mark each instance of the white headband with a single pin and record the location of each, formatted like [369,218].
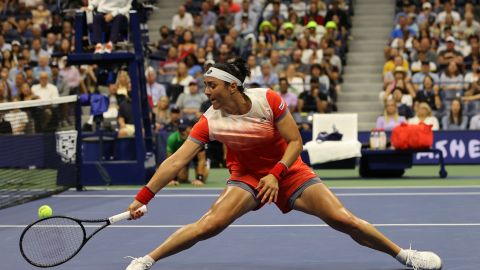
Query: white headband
[222,75]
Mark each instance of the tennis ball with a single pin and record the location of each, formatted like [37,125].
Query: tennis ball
[45,211]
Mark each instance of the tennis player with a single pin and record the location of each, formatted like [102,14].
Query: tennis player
[263,145]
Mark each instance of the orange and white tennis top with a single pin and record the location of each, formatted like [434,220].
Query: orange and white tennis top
[254,144]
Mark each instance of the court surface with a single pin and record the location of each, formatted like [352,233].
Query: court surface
[444,219]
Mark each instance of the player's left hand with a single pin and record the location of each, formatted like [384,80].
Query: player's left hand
[268,189]
[197,183]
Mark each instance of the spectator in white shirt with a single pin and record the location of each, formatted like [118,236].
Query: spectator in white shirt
[182,19]
[154,90]
[448,10]
[45,90]
[424,115]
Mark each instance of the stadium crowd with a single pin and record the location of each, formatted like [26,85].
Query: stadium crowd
[295,47]
[432,70]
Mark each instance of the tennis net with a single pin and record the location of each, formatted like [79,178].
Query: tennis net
[38,143]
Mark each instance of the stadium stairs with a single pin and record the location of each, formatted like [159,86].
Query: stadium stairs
[161,16]
[372,24]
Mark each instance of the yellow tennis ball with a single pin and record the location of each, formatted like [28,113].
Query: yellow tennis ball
[45,211]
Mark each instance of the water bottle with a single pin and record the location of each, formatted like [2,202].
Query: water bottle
[382,139]
[374,139]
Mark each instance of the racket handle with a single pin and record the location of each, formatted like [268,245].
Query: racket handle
[125,215]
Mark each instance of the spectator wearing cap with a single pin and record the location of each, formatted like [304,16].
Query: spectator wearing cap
[190,103]
[286,94]
[448,11]
[154,90]
[449,54]
[208,17]
[417,78]
[275,8]
[266,33]
[45,90]
[42,66]
[112,17]
[426,15]
[314,32]
[183,19]
[399,82]
[174,142]
[16,50]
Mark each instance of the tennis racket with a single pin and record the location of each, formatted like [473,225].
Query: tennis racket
[55,240]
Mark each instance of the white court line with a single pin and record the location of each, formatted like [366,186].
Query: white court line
[369,194]
[210,189]
[278,225]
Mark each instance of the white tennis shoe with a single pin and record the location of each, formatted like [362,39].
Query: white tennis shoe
[142,263]
[423,260]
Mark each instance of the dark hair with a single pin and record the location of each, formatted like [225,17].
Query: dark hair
[237,67]
[460,113]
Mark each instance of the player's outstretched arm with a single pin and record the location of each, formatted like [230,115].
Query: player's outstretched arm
[167,171]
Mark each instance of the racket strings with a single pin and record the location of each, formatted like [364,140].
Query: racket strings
[52,241]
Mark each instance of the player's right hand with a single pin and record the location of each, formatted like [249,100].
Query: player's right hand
[133,208]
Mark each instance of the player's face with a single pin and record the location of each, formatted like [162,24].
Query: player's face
[216,91]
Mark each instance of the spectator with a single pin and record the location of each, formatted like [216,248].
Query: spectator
[113,14]
[313,14]
[448,10]
[451,81]
[154,90]
[430,94]
[267,78]
[426,15]
[42,66]
[51,45]
[424,46]
[188,45]
[17,85]
[299,7]
[208,17]
[424,115]
[254,69]
[26,93]
[455,120]
[449,54]
[473,76]
[125,119]
[45,90]
[295,79]
[418,78]
[165,40]
[474,54]
[36,50]
[198,30]
[312,101]
[182,77]
[401,100]
[71,77]
[18,120]
[211,34]
[5,94]
[275,8]
[469,26]
[390,117]
[41,16]
[162,113]
[170,65]
[174,141]
[190,103]
[183,19]
[400,82]
[287,96]
[247,19]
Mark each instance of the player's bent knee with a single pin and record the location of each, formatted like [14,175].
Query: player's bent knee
[345,222]
[210,226]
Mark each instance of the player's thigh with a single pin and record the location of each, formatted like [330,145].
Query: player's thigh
[319,201]
[232,204]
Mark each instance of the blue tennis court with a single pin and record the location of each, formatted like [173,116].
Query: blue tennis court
[446,220]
